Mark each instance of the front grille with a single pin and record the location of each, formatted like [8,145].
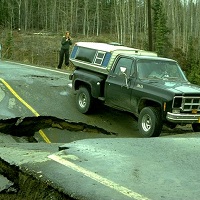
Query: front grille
[187,104]
[190,103]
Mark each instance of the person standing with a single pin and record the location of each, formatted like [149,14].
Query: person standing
[64,51]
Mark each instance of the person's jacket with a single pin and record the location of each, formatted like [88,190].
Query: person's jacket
[65,43]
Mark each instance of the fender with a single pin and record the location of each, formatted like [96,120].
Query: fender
[95,81]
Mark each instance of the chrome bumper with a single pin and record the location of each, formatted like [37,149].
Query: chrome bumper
[183,118]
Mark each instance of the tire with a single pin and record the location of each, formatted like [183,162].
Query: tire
[83,100]
[149,122]
[196,127]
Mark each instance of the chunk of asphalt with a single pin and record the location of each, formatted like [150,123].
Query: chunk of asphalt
[5,184]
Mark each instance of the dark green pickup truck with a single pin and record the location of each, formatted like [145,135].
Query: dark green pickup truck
[154,89]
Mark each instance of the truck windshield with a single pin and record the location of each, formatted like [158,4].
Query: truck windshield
[160,69]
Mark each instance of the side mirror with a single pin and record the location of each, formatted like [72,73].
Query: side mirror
[123,71]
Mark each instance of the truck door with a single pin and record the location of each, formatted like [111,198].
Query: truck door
[118,87]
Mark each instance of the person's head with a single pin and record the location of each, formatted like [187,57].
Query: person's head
[67,34]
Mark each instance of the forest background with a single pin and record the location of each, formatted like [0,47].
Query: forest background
[31,30]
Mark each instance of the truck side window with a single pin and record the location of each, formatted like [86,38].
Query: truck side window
[85,54]
[143,69]
[123,62]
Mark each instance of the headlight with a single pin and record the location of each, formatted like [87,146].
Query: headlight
[177,102]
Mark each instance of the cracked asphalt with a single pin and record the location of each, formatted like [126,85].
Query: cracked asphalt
[48,93]
[101,155]
[30,91]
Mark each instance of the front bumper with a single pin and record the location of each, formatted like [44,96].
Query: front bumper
[183,118]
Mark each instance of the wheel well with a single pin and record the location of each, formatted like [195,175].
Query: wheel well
[78,84]
[146,103]
[94,89]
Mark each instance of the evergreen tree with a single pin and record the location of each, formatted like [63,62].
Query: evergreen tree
[3,13]
[193,63]
[9,45]
[160,30]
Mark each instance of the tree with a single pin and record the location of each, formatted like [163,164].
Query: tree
[174,22]
[160,29]
[149,25]
[193,63]
[4,13]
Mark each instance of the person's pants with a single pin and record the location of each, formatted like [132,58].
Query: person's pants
[63,52]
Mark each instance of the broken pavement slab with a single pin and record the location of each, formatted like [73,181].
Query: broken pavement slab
[153,168]
[27,183]
[5,184]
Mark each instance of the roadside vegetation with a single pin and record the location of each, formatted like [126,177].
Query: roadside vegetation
[31,30]
[38,48]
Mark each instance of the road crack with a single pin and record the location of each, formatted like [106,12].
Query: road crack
[28,126]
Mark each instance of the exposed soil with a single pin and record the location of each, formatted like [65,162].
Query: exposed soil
[29,125]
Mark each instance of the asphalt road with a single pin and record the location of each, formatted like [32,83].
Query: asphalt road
[46,92]
[117,166]
[29,91]
[117,169]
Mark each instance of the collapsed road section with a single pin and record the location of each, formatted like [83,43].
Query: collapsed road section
[120,168]
[29,125]
[17,182]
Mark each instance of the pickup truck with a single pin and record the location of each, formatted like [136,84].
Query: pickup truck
[153,88]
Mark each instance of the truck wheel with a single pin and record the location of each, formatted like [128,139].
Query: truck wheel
[149,122]
[196,127]
[83,100]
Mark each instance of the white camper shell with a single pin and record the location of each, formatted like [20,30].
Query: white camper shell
[99,57]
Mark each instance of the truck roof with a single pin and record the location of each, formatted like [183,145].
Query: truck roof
[104,46]
[112,47]
[100,56]
[148,57]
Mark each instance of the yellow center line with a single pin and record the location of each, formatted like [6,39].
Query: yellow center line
[27,105]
